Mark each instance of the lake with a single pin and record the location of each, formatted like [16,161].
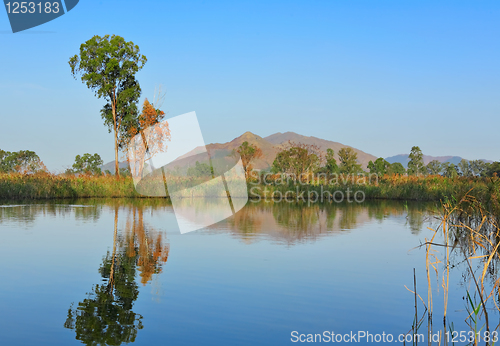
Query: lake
[116,271]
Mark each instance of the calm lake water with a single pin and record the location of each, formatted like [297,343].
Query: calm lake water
[252,279]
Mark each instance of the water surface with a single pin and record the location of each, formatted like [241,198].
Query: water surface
[252,279]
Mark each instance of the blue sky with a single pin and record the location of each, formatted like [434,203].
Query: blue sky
[381,76]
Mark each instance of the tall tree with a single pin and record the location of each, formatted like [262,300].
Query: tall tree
[348,161]
[434,167]
[465,168]
[450,170]
[107,65]
[248,153]
[416,163]
[331,163]
[478,167]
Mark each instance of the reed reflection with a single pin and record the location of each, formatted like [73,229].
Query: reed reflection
[105,316]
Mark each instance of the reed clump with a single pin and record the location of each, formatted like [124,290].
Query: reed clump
[471,243]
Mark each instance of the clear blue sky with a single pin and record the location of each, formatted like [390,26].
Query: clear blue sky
[381,76]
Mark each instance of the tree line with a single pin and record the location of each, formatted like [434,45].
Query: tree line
[299,158]
[465,168]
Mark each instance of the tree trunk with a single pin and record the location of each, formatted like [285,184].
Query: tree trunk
[117,170]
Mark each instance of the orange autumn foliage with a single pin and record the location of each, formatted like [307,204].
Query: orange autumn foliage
[154,134]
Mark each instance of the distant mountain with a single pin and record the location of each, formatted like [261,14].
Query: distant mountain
[270,146]
[403,159]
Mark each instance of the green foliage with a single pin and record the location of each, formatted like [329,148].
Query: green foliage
[465,168]
[87,164]
[331,164]
[397,168]
[107,65]
[23,161]
[297,159]
[349,161]
[450,170]
[248,153]
[416,163]
[478,167]
[493,169]
[434,167]
[200,170]
[5,165]
[380,166]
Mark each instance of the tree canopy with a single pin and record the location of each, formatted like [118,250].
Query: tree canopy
[87,164]
[416,163]
[248,153]
[23,161]
[450,170]
[349,161]
[154,135]
[331,164]
[397,168]
[380,166]
[478,167]
[297,159]
[434,167]
[465,168]
[493,169]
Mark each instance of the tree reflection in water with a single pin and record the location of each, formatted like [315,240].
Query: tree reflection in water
[292,222]
[105,316]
